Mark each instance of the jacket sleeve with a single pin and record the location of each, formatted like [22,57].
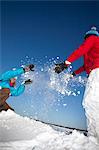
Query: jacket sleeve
[18,91]
[79,70]
[83,49]
[11,74]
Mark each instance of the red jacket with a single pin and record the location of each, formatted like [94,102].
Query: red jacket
[90,51]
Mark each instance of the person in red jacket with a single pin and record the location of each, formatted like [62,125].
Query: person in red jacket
[90,52]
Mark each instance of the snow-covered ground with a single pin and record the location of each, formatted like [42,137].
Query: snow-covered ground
[22,133]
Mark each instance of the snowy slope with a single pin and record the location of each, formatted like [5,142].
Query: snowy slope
[21,133]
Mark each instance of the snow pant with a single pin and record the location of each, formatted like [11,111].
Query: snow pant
[4,95]
[91,103]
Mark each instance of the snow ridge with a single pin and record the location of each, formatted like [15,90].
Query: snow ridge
[17,132]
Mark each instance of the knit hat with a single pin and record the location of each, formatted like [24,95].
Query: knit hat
[93,31]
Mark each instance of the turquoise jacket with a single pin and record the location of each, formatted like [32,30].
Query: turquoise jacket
[5,81]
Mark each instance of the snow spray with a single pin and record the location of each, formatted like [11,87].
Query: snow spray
[48,86]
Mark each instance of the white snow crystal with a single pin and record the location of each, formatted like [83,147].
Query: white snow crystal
[57,57]
[78,92]
[64,105]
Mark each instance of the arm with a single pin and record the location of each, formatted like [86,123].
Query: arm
[11,74]
[18,91]
[83,49]
[79,70]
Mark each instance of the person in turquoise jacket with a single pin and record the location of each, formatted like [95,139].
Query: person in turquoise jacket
[8,85]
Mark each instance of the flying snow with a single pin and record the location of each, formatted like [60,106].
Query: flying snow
[17,132]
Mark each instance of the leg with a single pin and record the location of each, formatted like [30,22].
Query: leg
[5,107]
[4,95]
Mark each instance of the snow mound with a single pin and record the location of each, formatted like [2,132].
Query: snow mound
[17,132]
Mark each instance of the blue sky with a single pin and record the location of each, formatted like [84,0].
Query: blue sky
[52,29]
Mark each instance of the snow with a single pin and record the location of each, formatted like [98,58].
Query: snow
[64,83]
[22,133]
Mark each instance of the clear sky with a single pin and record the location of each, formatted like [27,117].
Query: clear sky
[43,28]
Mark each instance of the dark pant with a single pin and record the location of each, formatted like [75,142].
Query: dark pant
[4,95]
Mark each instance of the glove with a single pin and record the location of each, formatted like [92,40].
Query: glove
[29,81]
[31,66]
[28,68]
[60,67]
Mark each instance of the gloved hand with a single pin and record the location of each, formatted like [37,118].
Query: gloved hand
[29,81]
[31,66]
[28,68]
[60,67]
